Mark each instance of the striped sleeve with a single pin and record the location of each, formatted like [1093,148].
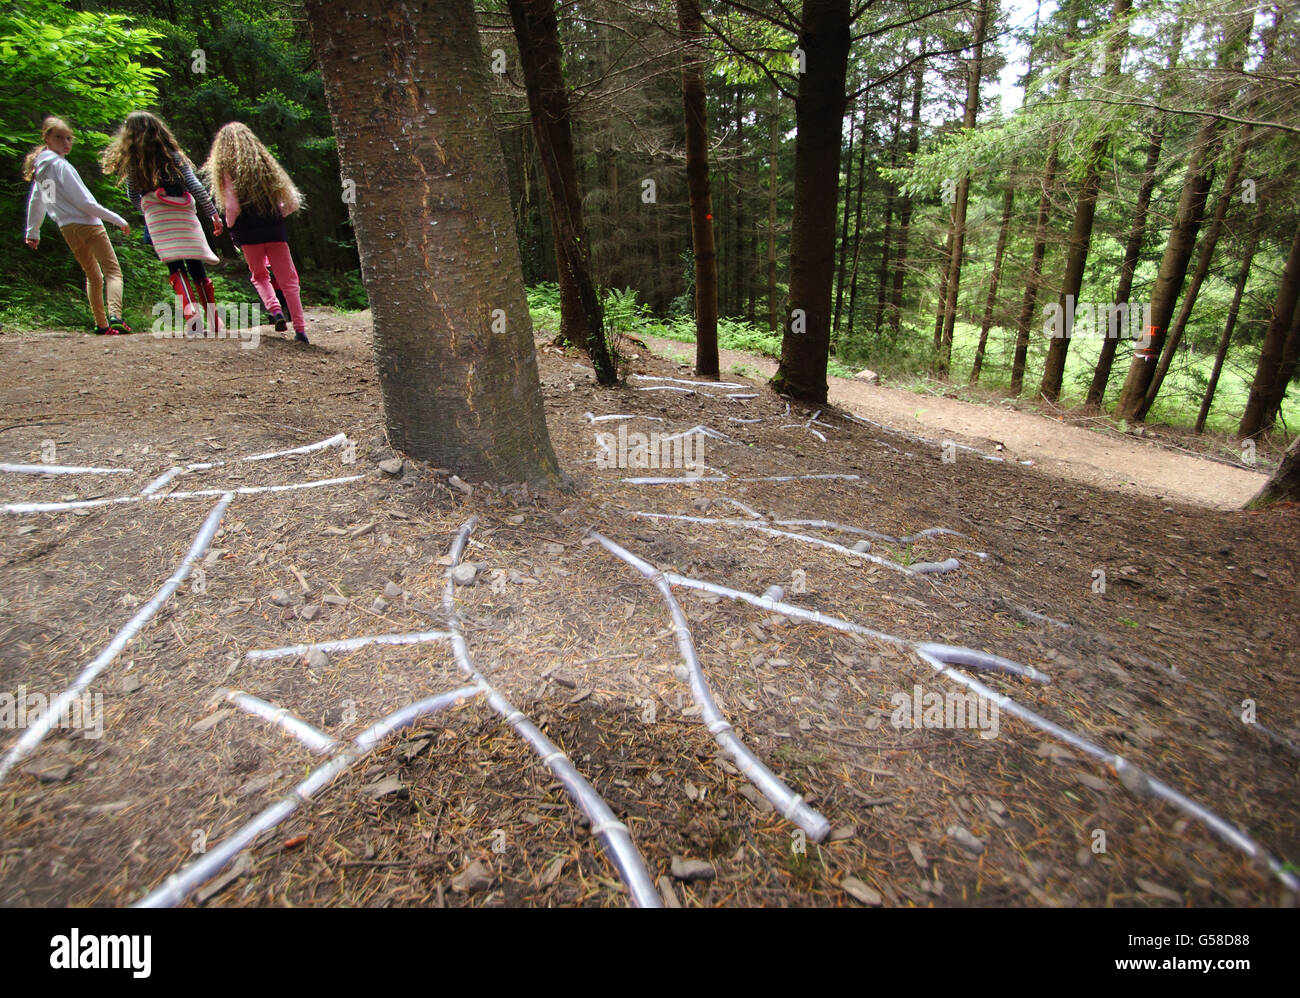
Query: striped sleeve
[202,199]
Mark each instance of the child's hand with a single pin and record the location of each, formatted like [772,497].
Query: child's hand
[126,228]
[33,243]
[216,225]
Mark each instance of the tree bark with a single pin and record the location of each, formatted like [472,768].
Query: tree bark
[1270,354]
[1132,251]
[1286,371]
[824,39]
[1206,254]
[1008,200]
[1226,337]
[1283,484]
[905,210]
[882,282]
[944,272]
[844,230]
[548,100]
[1080,239]
[697,183]
[963,194]
[453,341]
[1182,237]
[1035,271]
[774,154]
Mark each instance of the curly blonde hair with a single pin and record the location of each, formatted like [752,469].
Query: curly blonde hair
[145,151]
[256,176]
[48,127]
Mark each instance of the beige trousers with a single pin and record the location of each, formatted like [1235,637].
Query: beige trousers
[90,245]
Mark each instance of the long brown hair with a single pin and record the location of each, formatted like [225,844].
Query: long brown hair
[50,125]
[145,151]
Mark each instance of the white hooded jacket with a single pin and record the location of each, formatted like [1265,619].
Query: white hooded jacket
[57,190]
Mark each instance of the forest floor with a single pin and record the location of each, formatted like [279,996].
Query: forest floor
[1160,463]
[1195,615]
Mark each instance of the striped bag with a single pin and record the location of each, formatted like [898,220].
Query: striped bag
[174,227]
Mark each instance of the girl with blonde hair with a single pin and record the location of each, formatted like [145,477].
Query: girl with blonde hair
[57,191]
[160,182]
[257,195]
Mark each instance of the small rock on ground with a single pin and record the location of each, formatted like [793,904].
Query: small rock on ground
[475,877]
[692,869]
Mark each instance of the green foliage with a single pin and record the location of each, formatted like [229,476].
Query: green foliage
[82,66]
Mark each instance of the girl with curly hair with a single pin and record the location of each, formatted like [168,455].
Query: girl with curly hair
[257,195]
[57,191]
[160,182]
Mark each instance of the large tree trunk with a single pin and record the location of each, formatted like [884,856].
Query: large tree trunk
[697,183]
[1080,239]
[905,209]
[1206,254]
[1225,338]
[1035,271]
[1133,401]
[548,99]
[824,38]
[1259,404]
[453,341]
[1173,271]
[963,194]
[1285,372]
[1284,484]
[1132,251]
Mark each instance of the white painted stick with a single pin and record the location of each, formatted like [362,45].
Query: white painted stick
[787,802]
[37,731]
[347,644]
[613,834]
[62,469]
[282,718]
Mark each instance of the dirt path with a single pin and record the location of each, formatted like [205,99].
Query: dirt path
[1101,458]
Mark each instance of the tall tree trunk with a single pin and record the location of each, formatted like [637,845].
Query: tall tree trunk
[1040,229]
[453,341]
[1080,239]
[1035,270]
[1132,251]
[1008,201]
[1226,338]
[857,237]
[941,308]
[963,193]
[1286,371]
[844,230]
[697,182]
[1208,243]
[1284,484]
[819,115]
[738,220]
[1187,222]
[905,210]
[891,196]
[541,60]
[1173,271]
[1270,353]
[773,155]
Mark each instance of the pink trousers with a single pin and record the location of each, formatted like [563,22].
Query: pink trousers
[277,255]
